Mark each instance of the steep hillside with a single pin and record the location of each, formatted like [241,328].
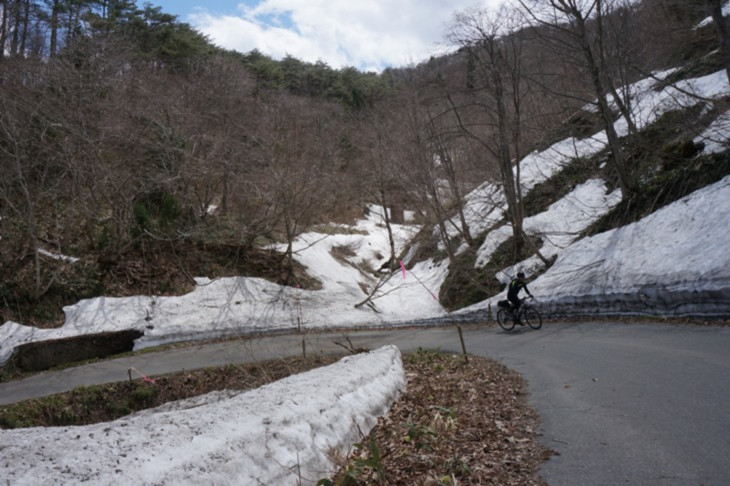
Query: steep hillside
[571,192]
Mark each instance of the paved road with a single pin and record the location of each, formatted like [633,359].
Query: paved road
[627,404]
[636,404]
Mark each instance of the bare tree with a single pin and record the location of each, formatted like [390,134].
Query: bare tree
[3,26]
[37,184]
[295,150]
[55,10]
[448,145]
[496,89]
[419,166]
[378,137]
[576,27]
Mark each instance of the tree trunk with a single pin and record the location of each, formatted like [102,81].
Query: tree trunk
[24,31]
[514,205]
[226,176]
[3,27]
[16,28]
[626,180]
[441,218]
[386,217]
[721,28]
[289,255]
[54,29]
[448,165]
[624,107]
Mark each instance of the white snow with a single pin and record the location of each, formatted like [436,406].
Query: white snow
[675,258]
[56,256]
[560,224]
[486,205]
[648,105]
[673,262]
[237,305]
[717,135]
[708,20]
[282,433]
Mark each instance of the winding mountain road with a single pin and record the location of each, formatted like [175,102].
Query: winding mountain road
[636,404]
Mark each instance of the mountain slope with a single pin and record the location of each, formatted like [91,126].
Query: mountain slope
[682,273]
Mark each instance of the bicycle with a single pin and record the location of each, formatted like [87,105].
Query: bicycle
[507,319]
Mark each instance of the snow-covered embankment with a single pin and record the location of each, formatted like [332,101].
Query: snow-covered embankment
[674,262]
[283,433]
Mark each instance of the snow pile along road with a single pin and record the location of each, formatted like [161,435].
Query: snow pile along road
[673,262]
[283,433]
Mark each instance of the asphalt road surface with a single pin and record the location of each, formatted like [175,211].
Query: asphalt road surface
[621,404]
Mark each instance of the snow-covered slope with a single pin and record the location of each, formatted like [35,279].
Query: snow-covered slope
[673,262]
[240,305]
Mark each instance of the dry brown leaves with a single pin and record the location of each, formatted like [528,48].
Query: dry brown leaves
[458,423]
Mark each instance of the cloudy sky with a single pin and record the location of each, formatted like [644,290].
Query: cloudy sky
[368,34]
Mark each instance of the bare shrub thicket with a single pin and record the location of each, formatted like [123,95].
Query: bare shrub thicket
[106,156]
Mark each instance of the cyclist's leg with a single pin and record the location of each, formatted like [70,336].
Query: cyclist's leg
[515,310]
[518,311]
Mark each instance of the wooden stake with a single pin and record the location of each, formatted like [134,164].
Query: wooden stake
[463,346]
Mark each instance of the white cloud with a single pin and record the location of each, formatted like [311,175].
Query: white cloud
[367,34]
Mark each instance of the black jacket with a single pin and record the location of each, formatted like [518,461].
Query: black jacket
[514,288]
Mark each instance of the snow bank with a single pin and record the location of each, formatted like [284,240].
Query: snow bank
[647,104]
[673,262]
[538,167]
[282,433]
[558,226]
[716,136]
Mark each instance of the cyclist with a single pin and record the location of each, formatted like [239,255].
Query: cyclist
[515,286]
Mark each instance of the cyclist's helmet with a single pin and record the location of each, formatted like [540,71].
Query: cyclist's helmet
[520,274]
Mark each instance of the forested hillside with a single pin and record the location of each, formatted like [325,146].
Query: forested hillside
[134,147]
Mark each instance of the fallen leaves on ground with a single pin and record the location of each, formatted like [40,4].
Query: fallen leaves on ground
[457,423]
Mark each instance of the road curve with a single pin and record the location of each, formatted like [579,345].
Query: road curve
[641,404]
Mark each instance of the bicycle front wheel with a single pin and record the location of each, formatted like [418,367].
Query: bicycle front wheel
[532,317]
[504,318]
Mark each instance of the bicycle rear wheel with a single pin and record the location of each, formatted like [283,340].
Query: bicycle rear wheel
[504,318]
[532,317]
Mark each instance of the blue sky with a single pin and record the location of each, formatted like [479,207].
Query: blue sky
[183,8]
[367,34]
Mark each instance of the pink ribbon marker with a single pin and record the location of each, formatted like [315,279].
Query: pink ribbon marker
[148,380]
[403,269]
